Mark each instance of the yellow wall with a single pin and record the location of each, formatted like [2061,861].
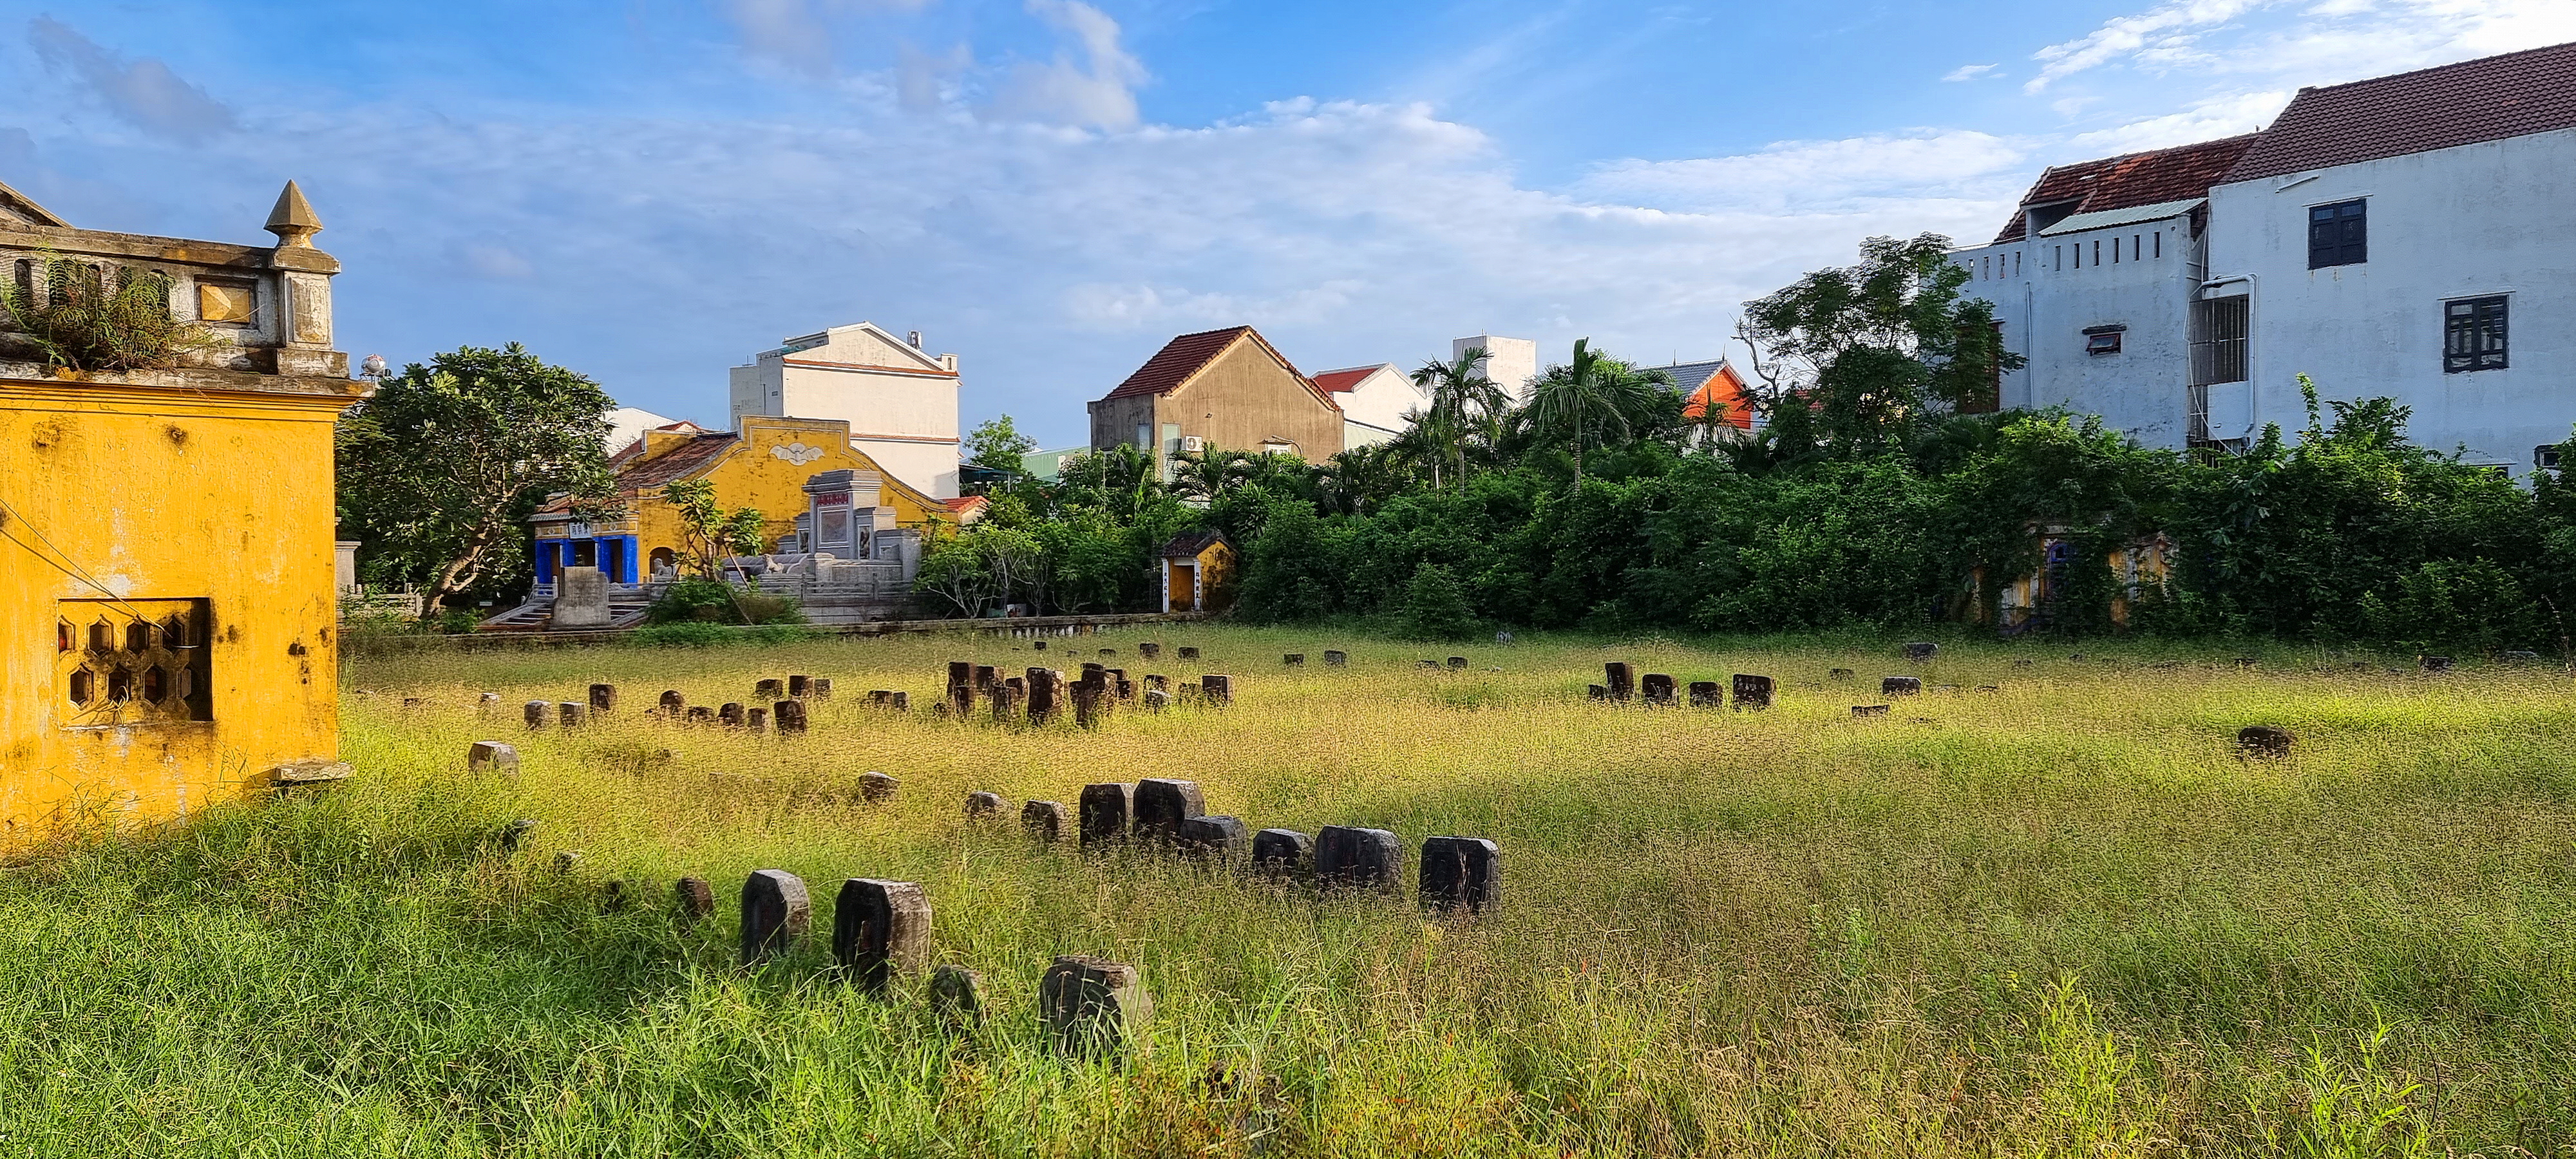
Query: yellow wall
[163,494]
[753,474]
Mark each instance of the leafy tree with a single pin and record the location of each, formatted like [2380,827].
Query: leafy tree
[1593,399]
[708,532]
[1435,606]
[998,444]
[439,471]
[1209,473]
[1464,405]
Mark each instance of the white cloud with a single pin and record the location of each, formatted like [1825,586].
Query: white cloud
[1969,72]
[1813,178]
[2208,120]
[144,92]
[2324,42]
[2145,33]
[1096,91]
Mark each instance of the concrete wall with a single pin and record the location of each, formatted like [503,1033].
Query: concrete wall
[1381,400]
[2491,218]
[900,402]
[1240,400]
[1511,363]
[2048,291]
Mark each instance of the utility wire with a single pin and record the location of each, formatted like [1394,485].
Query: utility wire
[16,519]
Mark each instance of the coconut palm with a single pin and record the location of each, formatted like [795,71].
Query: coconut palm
[1207,474]
[1593,394]
[1463,403]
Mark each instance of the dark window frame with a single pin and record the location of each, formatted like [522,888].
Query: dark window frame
[2339,234]
[2476,333]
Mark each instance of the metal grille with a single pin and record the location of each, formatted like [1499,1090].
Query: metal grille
[2218,337]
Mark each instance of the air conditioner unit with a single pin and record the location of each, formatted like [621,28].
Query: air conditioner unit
[1193,444]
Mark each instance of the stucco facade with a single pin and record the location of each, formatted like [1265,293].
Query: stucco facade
[1374,402]
[1226,388]
[167,554]
[899,401]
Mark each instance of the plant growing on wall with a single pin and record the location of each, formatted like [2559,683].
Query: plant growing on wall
[79,318]
[708,532]
[439,471]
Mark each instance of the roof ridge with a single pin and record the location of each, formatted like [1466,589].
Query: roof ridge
[2437,67]
[2150,152]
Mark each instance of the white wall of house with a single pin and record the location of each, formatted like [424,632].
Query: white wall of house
[2050,290]
[1511,363]
[2495,218]
[900,402]
[1373,409]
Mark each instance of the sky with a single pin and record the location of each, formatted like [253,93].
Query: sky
[651,191]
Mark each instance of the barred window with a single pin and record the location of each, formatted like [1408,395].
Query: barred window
[2218,335]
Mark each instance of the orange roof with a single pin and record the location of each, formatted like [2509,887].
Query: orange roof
[1341,381]
[1725,390]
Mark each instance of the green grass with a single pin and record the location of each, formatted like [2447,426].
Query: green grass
[2061,918]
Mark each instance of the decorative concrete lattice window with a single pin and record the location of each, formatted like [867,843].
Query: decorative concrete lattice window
[121,662]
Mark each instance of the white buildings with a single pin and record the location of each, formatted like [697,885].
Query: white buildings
[1510,363]
[1374,401]
[2412,236]
[900,402]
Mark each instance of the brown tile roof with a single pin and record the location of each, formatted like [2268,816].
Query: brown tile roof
[2130,180]
[1341,381]
[2489,99]
[1176,362]
[1189,543]
[676,464]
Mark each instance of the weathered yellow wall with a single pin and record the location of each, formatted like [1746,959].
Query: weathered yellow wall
[1216,562]
[164,494]
[1245,398]
[755,475]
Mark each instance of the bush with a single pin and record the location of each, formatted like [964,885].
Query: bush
[705,601]
[1435,606]
[81,322]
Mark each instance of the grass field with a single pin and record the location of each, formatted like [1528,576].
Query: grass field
[2060,918]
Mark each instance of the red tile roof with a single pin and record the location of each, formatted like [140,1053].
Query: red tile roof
[2131,179]
[1176,362]
[1341,381]
[2490,99]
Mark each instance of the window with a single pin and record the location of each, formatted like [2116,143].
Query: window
[145,662]
[2103,339]
[2473,334]
[2545,456]
[1144,436]
[2338,235]
[2218,340]
[2159,243]
[2061,255]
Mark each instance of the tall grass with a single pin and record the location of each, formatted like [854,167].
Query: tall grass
[2057,918]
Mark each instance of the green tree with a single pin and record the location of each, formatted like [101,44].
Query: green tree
[1464,404]
[1435,605]
[1210,473]
[708,532]
[1591,400]
[439,471]
[998,444]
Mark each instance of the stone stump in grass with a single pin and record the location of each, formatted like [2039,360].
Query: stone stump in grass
[1335,658]
[1109,651]
[1900,685]
[1217,690]
[1006,703]
[1294,659]
[1189,652]
[1839,674]
[2269,741]
[1460,874]
[1427,664]
[1869,710]
[1040,645]
[1347,857]
[1458,662]
[1706,694]
[1216,840]
[821,689]
[1043,690]
[603,698]
[1091,670]
[1160,804]
[789,716]
[961,697]
[1656,690]
[2434,663]
[799,686]
[877,788]
[731,715]
[537,713]
[899,700]
[1043,820]
[1121,687]
[571,715]
[701,714]
[880,929]
[771,689]
[981,804]
[1921,650]
[1149,650]
[1752,691]
[1088,703]
[1156,682]
[1620,679]
[986,678]
[1597,691]
[1106,809]
[491,756]
[961,672]
[1281,852]
[1094,1008]
[756,719]
[957,996]
[515,834]
[674,704]
[490,702]
[696,899]
[1156,700]
[775,913]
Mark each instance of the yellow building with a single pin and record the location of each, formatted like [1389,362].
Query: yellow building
[764,466]
[166,546]
[1198,572]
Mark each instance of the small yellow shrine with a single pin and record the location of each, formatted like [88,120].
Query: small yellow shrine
[166,546]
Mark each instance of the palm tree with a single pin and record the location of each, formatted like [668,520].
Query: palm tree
[1462,398]
[1210,473]
[1592,391]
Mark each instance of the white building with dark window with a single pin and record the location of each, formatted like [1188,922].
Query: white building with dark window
[2412,236]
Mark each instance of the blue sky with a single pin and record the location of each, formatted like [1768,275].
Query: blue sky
[650,191]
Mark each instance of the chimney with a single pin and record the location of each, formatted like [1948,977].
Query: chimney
[915,339]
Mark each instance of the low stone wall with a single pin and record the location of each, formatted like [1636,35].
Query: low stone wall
[1019,628]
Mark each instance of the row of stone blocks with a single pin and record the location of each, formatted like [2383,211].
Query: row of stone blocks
[1457,874]
[1149,650]
[1621,684]
[1043,693]
[1093,1007]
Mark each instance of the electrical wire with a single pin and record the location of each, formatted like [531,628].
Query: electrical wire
[73,570]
